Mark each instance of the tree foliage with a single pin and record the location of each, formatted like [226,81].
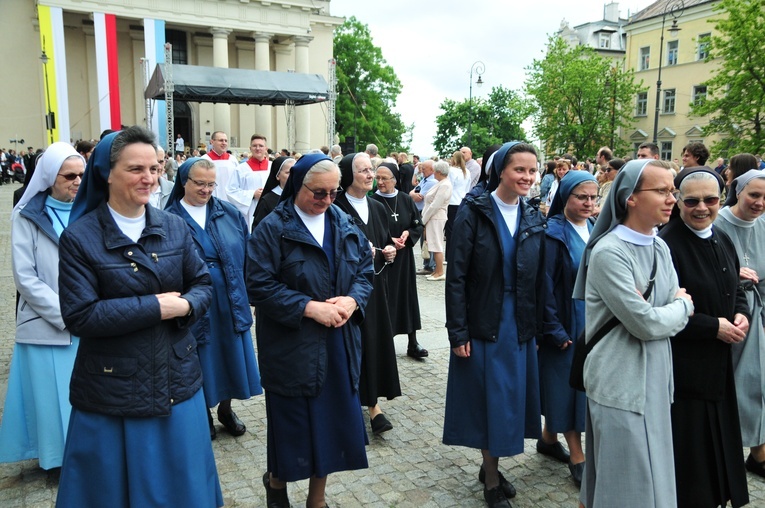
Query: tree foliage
[735,99]
[494,120]
[367,91]
[580,99]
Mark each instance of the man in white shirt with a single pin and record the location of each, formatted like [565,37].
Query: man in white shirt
[225,163]
[471,165]
[180,145]
[246,183]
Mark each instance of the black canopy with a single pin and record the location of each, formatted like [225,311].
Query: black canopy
[195,83]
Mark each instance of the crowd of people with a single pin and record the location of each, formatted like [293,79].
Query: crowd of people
[136,296]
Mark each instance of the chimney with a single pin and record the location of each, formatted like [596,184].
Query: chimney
[611,12]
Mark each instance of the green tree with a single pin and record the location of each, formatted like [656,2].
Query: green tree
[367,91]
[735,101]
[580,99]
[494,120]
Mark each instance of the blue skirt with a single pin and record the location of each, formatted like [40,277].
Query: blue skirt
[563,407]
[227,358]
[139,462]
[316,436]
[36,413]
[492,397]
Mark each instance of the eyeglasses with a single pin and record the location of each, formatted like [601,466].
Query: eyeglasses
[664,192]
[203,185]
[319,195]
[694,202]
[608,169]
[585,197]
[72,176]
[383,179]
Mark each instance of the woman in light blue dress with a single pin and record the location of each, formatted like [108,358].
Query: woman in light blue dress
[36,413]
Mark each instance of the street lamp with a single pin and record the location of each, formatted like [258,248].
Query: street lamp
[675,8]
[50,122]
[479,68]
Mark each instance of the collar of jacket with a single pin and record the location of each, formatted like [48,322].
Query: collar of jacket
[529,223]
[292,230]
[113,236]
[34,211]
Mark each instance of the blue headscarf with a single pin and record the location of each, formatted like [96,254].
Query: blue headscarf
[567,184]
[179,189]
[94,188]
[497,164]
[613,213]
[298,172]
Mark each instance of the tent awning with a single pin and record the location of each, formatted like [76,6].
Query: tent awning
[195,83]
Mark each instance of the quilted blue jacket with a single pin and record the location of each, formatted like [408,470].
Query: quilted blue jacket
[286,269]
[229,233]
[131,362]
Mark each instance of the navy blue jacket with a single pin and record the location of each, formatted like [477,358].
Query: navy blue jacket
[228,231]
[286,269]
[131,362]
[474,282]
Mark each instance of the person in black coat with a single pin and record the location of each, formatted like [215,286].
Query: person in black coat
[272,190]
[705,425]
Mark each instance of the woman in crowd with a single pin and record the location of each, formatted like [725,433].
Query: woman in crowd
[547,181]
[85,148]
[460,179]
[741,221]
[272,191]
[37,408]
[434,217]
[705,425]
[628,374]
[310,289]
[562,166]
[130,285]
[379,370]
[738,165]
[406,228]
[224,343]
[568,229]
[492,397]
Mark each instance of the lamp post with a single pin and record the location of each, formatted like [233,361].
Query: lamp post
[49,122]
[478,67]
[675,8]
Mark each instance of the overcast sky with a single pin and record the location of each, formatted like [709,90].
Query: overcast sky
[432,44]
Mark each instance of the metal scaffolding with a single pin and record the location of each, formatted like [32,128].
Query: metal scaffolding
[332,78]
[169,89]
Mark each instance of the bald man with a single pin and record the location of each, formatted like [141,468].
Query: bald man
[471,165]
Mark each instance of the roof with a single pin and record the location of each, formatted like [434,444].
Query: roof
[195,83]
[657,8]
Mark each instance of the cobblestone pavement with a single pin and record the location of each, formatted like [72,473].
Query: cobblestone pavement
[408,466]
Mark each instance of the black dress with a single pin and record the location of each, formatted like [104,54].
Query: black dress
[269,202]
[709,469]
[379,370]
[403,303]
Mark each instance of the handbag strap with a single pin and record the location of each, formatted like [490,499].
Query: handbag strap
[611,323]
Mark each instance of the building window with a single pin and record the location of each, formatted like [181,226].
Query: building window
[605,41]
[645,56]
[699,95]
[666,150]
[703,46]
[180,49]
[672,52]
[669,101]
[642,104]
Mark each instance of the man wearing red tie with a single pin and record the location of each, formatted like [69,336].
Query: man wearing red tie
[225,163]
[246,184]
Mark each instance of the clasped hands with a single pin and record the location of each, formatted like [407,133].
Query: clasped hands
[333,312]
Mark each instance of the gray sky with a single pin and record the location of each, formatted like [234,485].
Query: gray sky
[431,44]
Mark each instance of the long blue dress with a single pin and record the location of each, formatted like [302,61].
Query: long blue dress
[227,358]
[36,412]
[563,407]
[492,397]
[316,436]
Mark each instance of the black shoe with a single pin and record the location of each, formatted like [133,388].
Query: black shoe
[495,498]
[507,487]
[232,423]
[577,470]
[755,467]
[424,272]
[417,352]
[380,424]
[554,450]
[275,498]
[213,432]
